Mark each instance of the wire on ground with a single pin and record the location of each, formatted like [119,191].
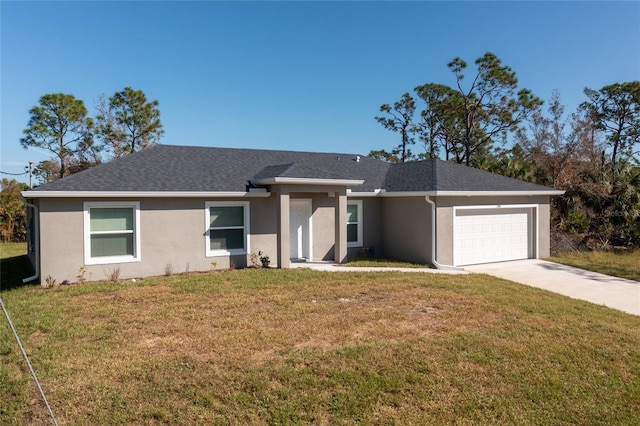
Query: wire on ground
[26,358]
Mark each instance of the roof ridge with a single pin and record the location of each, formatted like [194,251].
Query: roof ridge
[197,168]
[345,154]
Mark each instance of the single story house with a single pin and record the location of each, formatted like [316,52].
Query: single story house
[182,208]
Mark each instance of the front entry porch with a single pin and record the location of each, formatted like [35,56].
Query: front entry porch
[312,223]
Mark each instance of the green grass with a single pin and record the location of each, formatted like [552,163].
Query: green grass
[383,263]
[14,382]
[266,346]
[623,264]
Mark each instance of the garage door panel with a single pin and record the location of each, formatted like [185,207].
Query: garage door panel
[492,235]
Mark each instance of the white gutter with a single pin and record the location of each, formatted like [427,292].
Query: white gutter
[307,181]
[433,238]
[262,193]
[383,193]
[255,192]
[494,193]
[36,230]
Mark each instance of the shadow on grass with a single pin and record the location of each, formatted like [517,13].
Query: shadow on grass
[13,270]
[384,262]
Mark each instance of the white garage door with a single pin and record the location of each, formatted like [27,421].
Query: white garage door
[492,235]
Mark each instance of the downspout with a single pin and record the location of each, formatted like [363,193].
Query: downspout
[433,238]
[36,242]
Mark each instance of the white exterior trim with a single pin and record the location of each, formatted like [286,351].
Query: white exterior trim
[359,242]
[308,181]
[495,193]
[383,193]
[496,206]
[256,192]
[247,222]
[104,260]
[262,192]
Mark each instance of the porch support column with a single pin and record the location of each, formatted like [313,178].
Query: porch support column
[283,229]
[340,251]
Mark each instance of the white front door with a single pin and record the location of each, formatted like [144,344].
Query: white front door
[300,228]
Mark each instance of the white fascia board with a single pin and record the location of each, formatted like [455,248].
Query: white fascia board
[308,181]
[406,194]
[494,193]
[143,194]
[383,193]
[257,193]
[374,193]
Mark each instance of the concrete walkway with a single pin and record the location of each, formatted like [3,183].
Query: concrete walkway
[613,292]
[332,267]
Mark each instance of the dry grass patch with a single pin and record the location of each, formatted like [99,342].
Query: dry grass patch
[305,347]
[619,263]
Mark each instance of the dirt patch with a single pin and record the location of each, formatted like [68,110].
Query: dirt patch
[36,339]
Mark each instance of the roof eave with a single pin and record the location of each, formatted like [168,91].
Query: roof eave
[496,193]
[306,181]
[254,193]
[262,193]
[383,193]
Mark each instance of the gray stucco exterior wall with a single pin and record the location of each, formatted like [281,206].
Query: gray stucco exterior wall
[173,234]
[173,231]
[172,238]
[407,228]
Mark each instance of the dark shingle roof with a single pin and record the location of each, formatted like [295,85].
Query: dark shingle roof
[456,177]
[173,168]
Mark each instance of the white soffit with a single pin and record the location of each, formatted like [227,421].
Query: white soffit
[383,193]
[143,194]
[307,181]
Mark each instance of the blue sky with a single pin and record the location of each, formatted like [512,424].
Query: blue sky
[294,75]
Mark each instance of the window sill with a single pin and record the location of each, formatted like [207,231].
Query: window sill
[107,260]
[225,253]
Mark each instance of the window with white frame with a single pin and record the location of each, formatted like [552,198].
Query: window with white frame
[111,232]
[354,223]
[228,227]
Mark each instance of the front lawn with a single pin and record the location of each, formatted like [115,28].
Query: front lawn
[264,346]
[383,263]
[623,264]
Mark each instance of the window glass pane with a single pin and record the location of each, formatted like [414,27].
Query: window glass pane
[227,216]
[111,219]
[352,213]
[111,245]
[352,232]
[227,239]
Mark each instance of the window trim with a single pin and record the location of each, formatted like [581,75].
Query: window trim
[358,242]
[103,260]
[226,252]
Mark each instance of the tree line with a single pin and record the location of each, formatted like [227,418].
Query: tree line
[125,123]
[592,153]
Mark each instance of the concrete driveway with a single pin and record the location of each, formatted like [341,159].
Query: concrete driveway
[613,292]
